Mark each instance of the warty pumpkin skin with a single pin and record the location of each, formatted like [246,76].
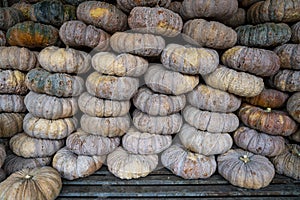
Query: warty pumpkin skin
[187,164]
[272,122]
[293,106]
[205,97]
[258,142]
[43,183]
[295,33]
[210,121]
[245,169]
[164,125]
[237,19]
[10,124]
[56,84]
[9,17]
[208,33]
[158,104]
[137,43]
[72,166]
[87,144]
[286,80]
[256,61]
[12,82]
[238,83]
[75,33]
[2,38]
[2,154]
[12,103]
[127,165]
[119,65]
[289,55]
[102,15]
[128,5]
[189,60]
[64,60]
[204,142]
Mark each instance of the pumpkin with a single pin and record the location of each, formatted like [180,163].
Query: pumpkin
[111,87]
[289,56]
[29,147]
[128,5]
[83,143]
[174,6]
[108,127]
[50,107]
[75,33]
[237,19]
[64,60]
[119,65]
[43,183]
[126,165]
[189,60]
[258,143]
[205,97]
[232,81]
[187,164]
[12,103]
[293,106]
[56,84]
[274,11]
[286,80]
[295,33]
[145,143]
[263,35]
[9,17]
[12,82]
[204,142]
[24,8]
[137,43]
[295,136]
[268,121]
[165,81]
[288,163]
[102,15]
[158,104]
[32,35]
[17,58]
[158,20]
[245,169]
[2,38]
[2,154]
[256,61]
[247,3]
[10,124]
[208,33]
[210,121]
[2,175]
[164,125]
[48,129]
[72,166]
[15,163]
[268,98]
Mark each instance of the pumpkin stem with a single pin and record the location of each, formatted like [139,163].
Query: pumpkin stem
[268,110]
[28,176]
[245,159]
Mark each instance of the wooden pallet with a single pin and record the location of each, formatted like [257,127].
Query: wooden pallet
[162,183]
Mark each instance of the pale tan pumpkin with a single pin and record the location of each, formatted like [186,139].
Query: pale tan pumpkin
[127,5]
[289,56]
[10,124]
[2,154]
[12,103]
[12,82]
[293,106]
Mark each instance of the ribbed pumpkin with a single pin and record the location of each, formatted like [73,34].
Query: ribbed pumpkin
[12,82]
[83,143]
[127,165]
[258,142]
[263,35]
[10,124]
[204,142]
[208,33]
[2,154]
[189,60]
[256,61]
[12,103]
[102,15]
[128,5]
[207,98]
[158,104]
[289,56]
[239,83]
[2,38]
[43,183]
[119,65]
[24,7]
[64,60]
[268,121]
[175,6]
[72,166]
[75,33]
[293,106]
[245,169]
[286,80]
[237,19]
[137,43]
[188,165]
[165,81]
[32,35]
[9,17]
[295,33]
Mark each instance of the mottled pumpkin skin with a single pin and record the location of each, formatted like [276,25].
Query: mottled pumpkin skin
[12,103]
[295,33]
[263,35]
[32,35]
[188,165]
[102,15]
[10,124]
[293,106]
[289,55]
[175,6]
[237,19]
[128,5]
[2,154]
[12,82]
[256,173]
[9,17]
[271,122]
[286,80]
[23,184]
[2,38]
[24,8]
